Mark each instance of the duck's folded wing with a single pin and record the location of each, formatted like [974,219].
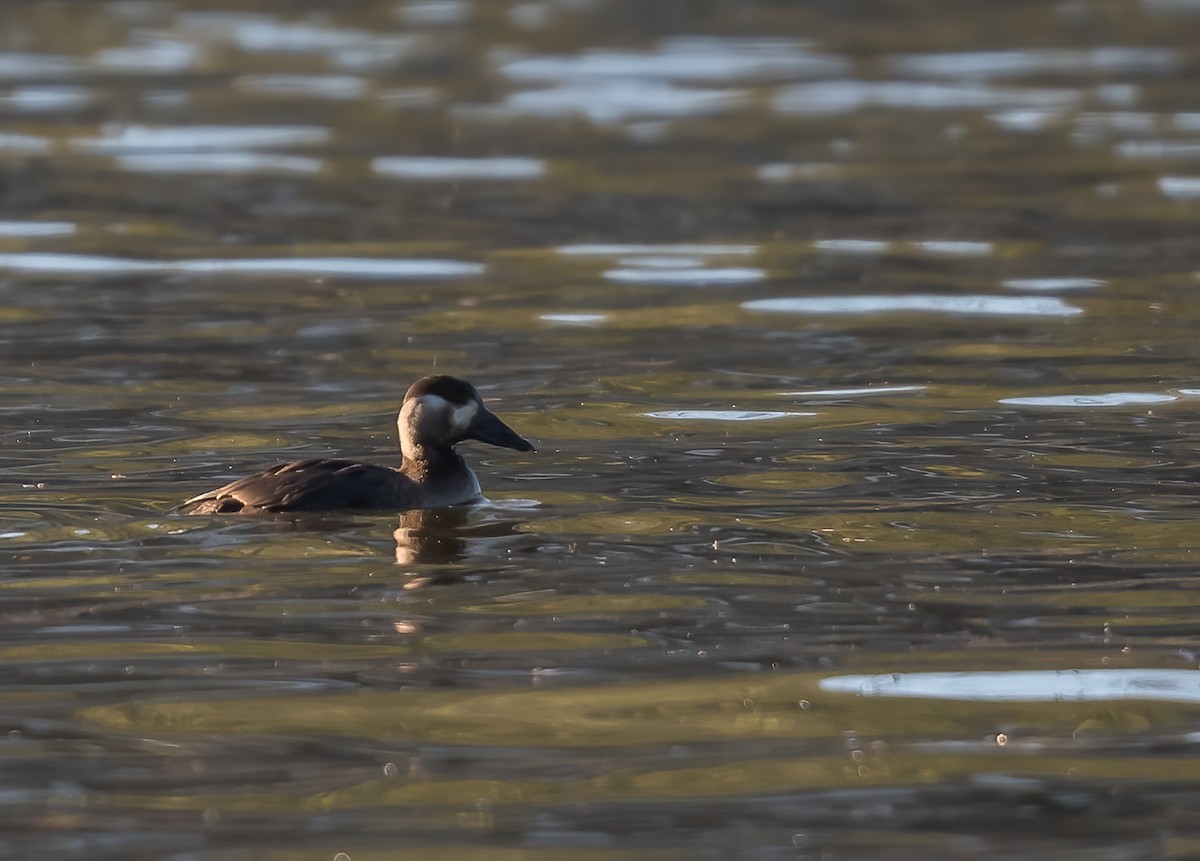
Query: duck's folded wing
[304,485]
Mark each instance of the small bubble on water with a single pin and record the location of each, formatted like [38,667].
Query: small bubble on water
[390,770]
[341,856]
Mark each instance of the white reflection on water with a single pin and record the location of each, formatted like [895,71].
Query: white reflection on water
[25,144]
[852,246]
[440,168]
[1156,149]
[862,390]
[1094,124]
[116,139]
[1180,187]
[954,248]
[1107,399]
[336,87]
[434,12]
[1025,120]
[785,172]
[36,228]
[604,102]
[579,319]
[611,86]
[651,261]
[1050,285]
[1001,306]
[994,64]
[696,59]
[44,99]
[158,55]
[218,162]
[344,49]
[346,267]
[1027,685]
[22,67]
[660,275]
[832,97]
[352,267]
[599,250]
[723,415]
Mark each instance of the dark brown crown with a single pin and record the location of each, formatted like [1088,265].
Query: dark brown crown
[452,389]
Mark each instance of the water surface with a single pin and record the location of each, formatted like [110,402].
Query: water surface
[859,352]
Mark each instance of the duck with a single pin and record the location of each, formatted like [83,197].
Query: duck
[437,413]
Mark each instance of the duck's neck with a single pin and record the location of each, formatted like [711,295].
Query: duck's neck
[440,470]
[424,462]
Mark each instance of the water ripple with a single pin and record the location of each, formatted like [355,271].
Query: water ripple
[1180,686]
[24,144]
[22,67]
[1180,187]
[344,49]
[36,228]
[1109,399]
[949,248]
[337,87]
[159,55]
[45,99]
[441,168]
[661,275]
[694,59]
[599,250]
[1025,120]
[1049,285]
[1158,149]
[437,13]
[118,139]
[834,97]
[218,162]
[859,390]
[577,319]
[607,102]
[724,415]
[851,246]
[975,305]
[995,64]
[345,267]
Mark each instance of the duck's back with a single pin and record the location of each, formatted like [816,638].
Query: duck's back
[312,485]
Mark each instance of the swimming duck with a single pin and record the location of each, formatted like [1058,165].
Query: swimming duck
[438,412]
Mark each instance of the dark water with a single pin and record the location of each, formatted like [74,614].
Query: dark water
[859,344]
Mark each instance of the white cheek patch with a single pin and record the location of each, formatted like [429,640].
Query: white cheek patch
[432,404]
[462,417]
[435,409]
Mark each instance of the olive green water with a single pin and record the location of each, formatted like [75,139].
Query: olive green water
[859,344]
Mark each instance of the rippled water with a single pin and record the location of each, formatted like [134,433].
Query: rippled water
[858,347]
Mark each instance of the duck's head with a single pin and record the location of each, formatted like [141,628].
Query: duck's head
[440,411]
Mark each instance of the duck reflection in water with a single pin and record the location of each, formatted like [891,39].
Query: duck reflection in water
[438,413]
[444,536]
[430,535]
